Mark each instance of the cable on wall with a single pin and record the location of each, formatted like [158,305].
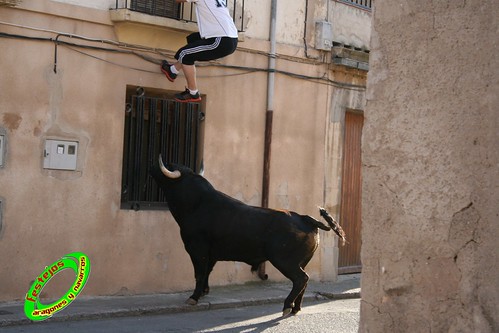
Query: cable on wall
[132,50]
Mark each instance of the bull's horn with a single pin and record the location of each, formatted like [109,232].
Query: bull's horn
[170,174]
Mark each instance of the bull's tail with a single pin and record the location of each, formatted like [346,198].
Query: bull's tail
[333,225]
[318,224]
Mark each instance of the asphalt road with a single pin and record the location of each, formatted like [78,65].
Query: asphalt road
[331,316]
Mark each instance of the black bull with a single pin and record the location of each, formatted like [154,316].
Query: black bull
[215,227]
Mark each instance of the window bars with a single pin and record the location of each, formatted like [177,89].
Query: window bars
[157,125]
[179,11]
[364,4]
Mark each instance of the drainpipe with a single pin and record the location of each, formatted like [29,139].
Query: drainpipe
[268,119]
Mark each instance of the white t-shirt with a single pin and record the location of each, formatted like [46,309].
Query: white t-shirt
[214,19]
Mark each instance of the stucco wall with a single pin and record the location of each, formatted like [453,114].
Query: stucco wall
[50,213]
[430,169]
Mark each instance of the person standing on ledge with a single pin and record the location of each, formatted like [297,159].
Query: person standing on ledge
[217,38]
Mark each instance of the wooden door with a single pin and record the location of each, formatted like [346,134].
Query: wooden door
[351,194]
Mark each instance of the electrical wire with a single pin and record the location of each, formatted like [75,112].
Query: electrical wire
[131,50]
[148,71]
[91,39]
[110,62]
[290,74]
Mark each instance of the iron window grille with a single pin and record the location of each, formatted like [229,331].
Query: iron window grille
[364,4]
[180,11]
[157,124]
[162,8]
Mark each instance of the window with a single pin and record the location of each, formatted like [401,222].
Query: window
[162,8]
[154,124]
[180,11]
[364,4]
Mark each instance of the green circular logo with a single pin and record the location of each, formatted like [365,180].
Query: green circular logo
[76,261]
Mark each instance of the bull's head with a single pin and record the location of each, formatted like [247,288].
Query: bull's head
[181,186]
[169,174]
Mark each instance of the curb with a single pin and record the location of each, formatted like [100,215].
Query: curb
[170,309]
[332,296]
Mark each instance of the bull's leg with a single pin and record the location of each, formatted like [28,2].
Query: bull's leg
[299,278]
[297,305]
[298,300]
[294,300]
[206,289]
[200,268]
[200,261]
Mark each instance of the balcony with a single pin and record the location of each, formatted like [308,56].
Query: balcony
[162,24]
[362,4]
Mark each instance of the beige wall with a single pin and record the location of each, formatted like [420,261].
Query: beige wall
[48,213]
[430,176]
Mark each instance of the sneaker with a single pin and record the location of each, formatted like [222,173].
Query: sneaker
[187,97]
[165,68]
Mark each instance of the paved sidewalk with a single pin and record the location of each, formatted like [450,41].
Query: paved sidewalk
[252,293]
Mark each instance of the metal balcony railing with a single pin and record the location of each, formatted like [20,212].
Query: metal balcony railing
[364,4]
[179,11]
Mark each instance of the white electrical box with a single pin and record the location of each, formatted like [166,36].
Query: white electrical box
[60,155]
[323,35]
[2,149]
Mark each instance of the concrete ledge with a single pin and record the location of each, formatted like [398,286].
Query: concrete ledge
[129,16]
[66,10]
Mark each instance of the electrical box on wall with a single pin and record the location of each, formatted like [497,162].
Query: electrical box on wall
[2,149]
[1,212]
[323,36]
[60,155]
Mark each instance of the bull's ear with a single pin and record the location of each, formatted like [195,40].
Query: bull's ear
[169,174]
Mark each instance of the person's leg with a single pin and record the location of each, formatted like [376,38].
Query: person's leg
[190,76]
[171,71]
[196,50]
[189,72]
[191,93]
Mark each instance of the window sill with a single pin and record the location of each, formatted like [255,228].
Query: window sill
[153,31]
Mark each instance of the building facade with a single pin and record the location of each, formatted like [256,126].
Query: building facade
[80,85]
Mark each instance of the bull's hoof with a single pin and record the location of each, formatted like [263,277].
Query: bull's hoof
[286,312]
[191,301]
